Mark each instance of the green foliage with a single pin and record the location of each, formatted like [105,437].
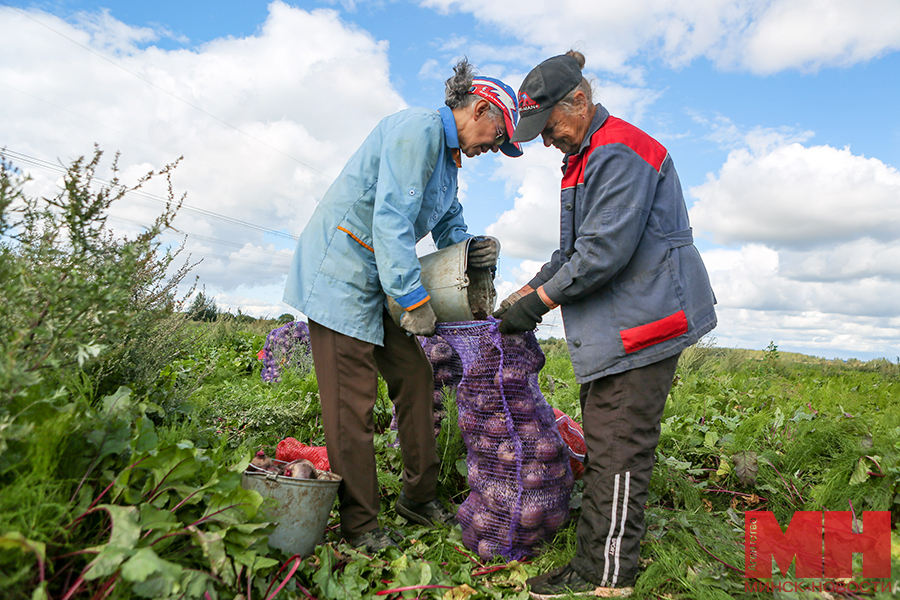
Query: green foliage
[557,378]
[203,308]
[99,503]
[452,482]
[120,471]
[698,357]
[72,292]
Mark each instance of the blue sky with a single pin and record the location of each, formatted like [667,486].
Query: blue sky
[780,116]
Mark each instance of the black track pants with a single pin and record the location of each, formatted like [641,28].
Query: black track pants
[621,415]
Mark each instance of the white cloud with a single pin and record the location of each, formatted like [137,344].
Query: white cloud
[793,196]
[759,36]
[108,34]
[432,69]
[810,34]
[811,332]
[531,228]
[264,122]
[756,278]
[817,231]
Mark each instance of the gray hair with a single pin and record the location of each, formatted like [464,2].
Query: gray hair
[456,91]
[568,102]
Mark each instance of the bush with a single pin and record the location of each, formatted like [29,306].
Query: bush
[72,293]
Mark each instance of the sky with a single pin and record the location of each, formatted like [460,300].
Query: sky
[780,115]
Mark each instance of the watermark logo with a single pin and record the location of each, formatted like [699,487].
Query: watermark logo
[822,544]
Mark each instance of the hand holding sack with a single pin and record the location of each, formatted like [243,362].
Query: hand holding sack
[420,320]
[483,252]
[512,299]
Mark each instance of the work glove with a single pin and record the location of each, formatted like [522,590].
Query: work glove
[524,315]
[483,251]
[512,299]
[419,321]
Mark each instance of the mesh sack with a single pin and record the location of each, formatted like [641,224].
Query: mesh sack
[286,346]
[518,465]
[447,369]
[573,435]
[290,449]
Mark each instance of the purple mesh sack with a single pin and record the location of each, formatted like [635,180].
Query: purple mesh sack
[518,465]
[447,369]
[286,346]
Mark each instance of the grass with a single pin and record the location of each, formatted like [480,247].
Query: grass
[819,435]
[808,422]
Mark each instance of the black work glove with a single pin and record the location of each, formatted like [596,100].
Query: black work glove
[420,320]
[512,299]
[524,315]
[483,251]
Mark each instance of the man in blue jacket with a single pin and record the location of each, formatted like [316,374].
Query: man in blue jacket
[634,293]
[357,250]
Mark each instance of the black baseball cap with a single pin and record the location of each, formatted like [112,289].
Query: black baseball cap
[544,86]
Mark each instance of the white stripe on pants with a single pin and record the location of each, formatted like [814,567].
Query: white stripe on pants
[617,543]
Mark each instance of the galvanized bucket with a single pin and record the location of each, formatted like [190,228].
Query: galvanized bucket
[302,510]
[457,292]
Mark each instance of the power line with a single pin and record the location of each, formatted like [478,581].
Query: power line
[229,258]
[196,236]
[149,82]
[43,164]
[241,260]
[104,126]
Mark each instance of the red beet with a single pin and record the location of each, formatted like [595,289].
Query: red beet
[531,515]
[506,453]
[300,469]
[547,447]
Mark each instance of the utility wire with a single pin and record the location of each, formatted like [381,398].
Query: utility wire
[241,260]
[203,238]
[149,82]
[228,257]
[117,131]
[43,164]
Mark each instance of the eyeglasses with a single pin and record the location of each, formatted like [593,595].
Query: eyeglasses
[501,136]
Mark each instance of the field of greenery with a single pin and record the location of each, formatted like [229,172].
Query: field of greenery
[128,412]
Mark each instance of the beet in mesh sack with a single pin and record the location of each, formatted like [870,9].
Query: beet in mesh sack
[518,465]
[447,373]
[286,347]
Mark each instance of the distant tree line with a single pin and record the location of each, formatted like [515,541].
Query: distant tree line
[203,308]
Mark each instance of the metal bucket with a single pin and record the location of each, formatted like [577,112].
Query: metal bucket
[302,510]
[457,292]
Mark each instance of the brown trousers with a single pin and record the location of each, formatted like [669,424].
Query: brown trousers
[621,415]
[347,372]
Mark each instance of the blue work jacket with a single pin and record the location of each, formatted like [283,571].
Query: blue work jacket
[632,285]
[359,246]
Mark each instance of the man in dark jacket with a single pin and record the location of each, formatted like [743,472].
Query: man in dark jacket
[634,293]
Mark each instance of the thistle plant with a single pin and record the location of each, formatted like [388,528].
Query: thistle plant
[70,288]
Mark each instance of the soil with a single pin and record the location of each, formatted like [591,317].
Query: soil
[481,293]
